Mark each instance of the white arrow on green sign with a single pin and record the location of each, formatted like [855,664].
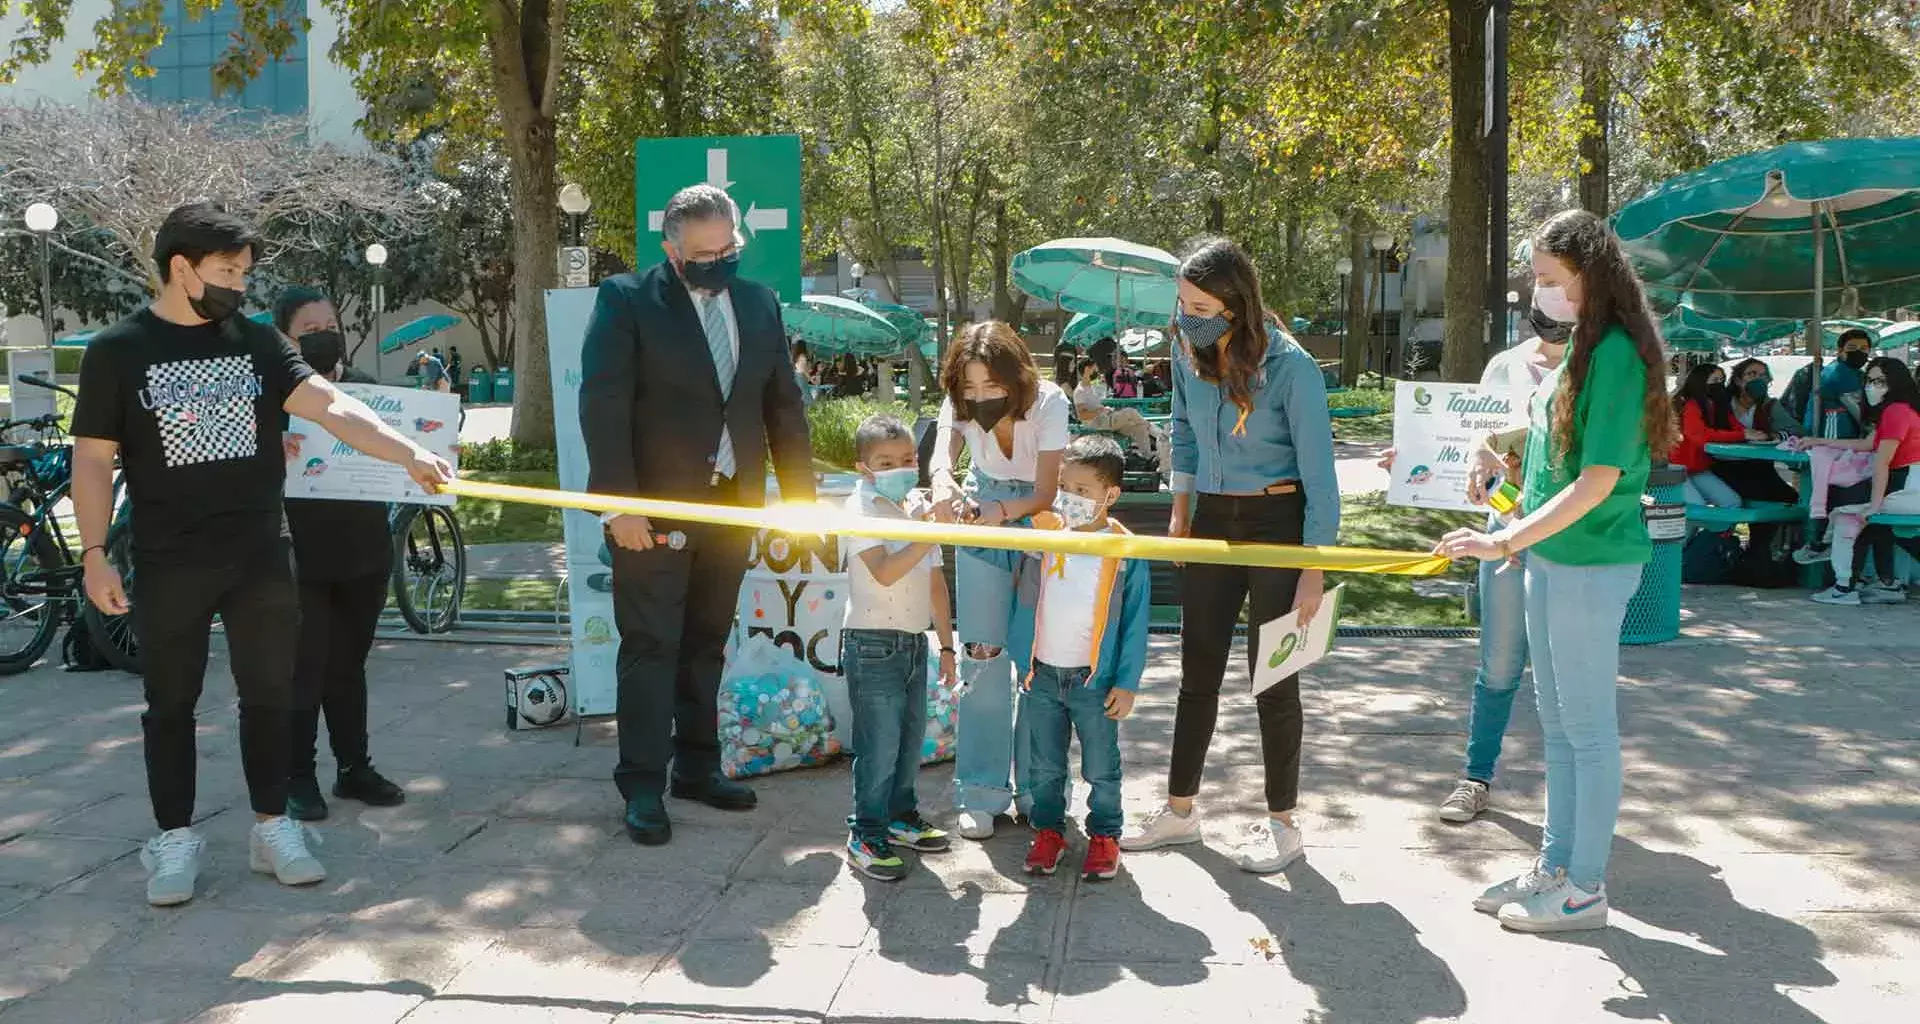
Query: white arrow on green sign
[760,172]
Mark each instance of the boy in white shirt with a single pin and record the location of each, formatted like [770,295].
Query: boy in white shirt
[896,590]
[1085,619]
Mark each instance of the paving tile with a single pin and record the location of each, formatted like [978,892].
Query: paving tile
[551,846]
[110,996]
[400,958]
[748,979]
[242,944]
[632,908]
[557,969]
[269,1004]
[46,862]
[837,914]
[542,1010]
[972,988]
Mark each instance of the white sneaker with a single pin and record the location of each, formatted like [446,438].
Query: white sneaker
[1535,879]
[278,847]
[1468,799]
[1846,598]
[1162,828]
[975,825]
[172,860]
[1813,556]
[1270,847]
[1563,908]
[1883,593]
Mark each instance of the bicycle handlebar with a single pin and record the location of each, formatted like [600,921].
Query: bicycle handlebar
[42,382]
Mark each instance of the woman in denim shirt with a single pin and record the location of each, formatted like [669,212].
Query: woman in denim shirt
[1252,461]
[1013,426]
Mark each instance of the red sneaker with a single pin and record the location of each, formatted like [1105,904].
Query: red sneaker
[1103,859]
[1043,856]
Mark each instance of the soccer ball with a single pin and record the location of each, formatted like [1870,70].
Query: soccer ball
[543,700]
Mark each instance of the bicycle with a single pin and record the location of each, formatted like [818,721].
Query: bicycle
[41,577]
[429,566]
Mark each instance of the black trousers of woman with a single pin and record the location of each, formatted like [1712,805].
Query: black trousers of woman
[337,620]
[1211,599]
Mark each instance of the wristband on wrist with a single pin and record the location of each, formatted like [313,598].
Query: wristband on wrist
[89,549]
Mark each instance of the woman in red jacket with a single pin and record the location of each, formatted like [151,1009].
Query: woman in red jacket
[1705,419]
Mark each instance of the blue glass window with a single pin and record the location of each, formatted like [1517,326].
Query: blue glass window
[184,61]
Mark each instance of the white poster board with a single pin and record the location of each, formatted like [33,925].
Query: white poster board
[1286,649]
[592,681]
[1436,428]
[29,402]
[327,467]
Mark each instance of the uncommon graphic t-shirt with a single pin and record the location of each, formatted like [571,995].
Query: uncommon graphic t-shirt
[197,413]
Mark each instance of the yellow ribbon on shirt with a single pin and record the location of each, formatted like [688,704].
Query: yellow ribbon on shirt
[818,519]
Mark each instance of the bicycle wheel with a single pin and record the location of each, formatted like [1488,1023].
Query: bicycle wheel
[29,614]
[429,568]
[113,635]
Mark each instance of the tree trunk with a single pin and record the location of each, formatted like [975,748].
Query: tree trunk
[1210,150]
[1002,264]
[1468,202]
[1596,93]
[1355,338]
[536,242]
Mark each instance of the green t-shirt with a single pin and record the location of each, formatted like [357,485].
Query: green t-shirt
[1607,431]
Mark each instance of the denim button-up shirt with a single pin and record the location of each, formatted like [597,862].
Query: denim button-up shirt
[1288,436]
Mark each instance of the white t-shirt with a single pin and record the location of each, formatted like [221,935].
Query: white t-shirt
[1043,430]
[1510,368]
[1089,396]
[908,604]
[1069,586]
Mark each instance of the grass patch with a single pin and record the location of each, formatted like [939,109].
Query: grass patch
[1365,429]
[831,423]
[1367,521]
[521,595]
[499,522]
[1362,398]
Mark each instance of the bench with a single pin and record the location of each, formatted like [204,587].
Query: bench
[1352,414]
[1726,517]
[1903,526]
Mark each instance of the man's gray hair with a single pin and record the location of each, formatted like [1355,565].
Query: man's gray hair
[698,202]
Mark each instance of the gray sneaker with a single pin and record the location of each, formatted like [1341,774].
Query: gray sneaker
[1535,881]
[278,847]
[1468,799]
[1162,828]
[1883,593]
[172,860]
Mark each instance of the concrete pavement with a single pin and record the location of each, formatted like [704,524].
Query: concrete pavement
[1765,869]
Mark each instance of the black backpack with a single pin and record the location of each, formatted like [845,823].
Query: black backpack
[1709,558]
[1799,395]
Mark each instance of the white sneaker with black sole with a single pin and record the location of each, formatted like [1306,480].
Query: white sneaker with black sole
[1466,801]
[278,847]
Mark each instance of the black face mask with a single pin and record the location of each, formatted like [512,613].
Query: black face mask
[1756,389]
[714,275]
[987,412]
[1551,331]
[215,303]
[1855,359]
[322,350]
[1717,392]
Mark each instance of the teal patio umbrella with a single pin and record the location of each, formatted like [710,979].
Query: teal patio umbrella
[1086,328]
[1689,330]
[829,323]
[417,330]
[904,319]
[1129,284]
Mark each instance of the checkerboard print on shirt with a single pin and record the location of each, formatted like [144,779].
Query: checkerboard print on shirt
[204,409]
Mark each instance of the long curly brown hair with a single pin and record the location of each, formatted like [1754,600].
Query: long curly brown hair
[1219,268]
[1610,295]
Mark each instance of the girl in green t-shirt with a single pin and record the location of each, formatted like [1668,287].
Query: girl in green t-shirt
[1585,467]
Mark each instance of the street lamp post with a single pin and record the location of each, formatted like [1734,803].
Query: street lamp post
[1513,328]
[858,272]
[377,259]
[1382,242]
[574,202]
[41,220]
[1344,267]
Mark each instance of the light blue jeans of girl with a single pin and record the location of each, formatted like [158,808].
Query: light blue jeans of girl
[1503,661]
[986,765]
[1708,489]
[1574,613]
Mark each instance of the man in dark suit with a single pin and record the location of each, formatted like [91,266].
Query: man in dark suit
[685,389]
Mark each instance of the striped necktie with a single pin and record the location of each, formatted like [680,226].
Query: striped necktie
[713,319]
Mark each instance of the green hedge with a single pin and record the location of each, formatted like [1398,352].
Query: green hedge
[503,456]
[831,423]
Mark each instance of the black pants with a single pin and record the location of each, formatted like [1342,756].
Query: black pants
[1755,481]
[1211,599]
[674,610]
[259,604]
[337,620]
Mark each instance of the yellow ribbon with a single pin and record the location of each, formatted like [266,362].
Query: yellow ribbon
[827,519]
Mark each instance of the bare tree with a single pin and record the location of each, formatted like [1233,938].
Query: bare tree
[115,167]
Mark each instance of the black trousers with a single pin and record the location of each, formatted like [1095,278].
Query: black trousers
[1211,599]
[1755,481]
[674,610]
[337,620]
[259,604]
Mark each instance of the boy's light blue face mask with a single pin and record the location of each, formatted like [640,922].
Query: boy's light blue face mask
[895,484]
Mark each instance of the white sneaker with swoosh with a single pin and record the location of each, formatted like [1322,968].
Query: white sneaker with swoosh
[1563,908]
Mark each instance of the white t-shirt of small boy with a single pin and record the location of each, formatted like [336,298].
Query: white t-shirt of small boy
[1069,599]
[905,606]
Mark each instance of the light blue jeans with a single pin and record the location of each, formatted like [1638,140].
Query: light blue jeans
[987,763]
[1574,613]
[1708,489]
[1503,661]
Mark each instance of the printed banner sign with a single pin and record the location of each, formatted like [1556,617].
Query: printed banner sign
[330,468]
[1436,428]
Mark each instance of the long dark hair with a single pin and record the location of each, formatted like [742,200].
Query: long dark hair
[1900,387]
[1219,268]
[1693,388]
[1610,296]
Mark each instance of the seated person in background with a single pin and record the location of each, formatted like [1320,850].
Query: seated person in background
[1088,397]
[1843,387]
[1705,419]
[1755,411]
[1153,383]
[1126,382]
[1892,419]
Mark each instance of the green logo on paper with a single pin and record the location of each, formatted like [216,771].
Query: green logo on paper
[1284,650]
[1422,398]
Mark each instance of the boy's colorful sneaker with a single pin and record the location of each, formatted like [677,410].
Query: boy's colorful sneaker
[916,833]
[1043,855]
[1103,859]
[1563,908]
[875,859]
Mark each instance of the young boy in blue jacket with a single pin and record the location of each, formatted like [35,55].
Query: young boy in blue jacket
[1079,636]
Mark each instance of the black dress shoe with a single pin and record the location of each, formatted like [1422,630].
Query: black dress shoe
[716,790]
[362,783]
[646,820]
[304,802]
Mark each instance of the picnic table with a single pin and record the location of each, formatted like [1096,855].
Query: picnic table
[1760,451]
[1143,404]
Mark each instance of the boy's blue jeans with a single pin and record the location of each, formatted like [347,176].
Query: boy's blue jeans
[887,685]
[1058,704]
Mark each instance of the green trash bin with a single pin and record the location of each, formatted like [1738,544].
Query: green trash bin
[1653,616]
[503,386]
[479,387]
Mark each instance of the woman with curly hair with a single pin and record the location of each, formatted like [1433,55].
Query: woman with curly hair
[1586,463]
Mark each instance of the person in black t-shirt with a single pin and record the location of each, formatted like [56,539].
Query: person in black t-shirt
[191,398]
[343,560]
